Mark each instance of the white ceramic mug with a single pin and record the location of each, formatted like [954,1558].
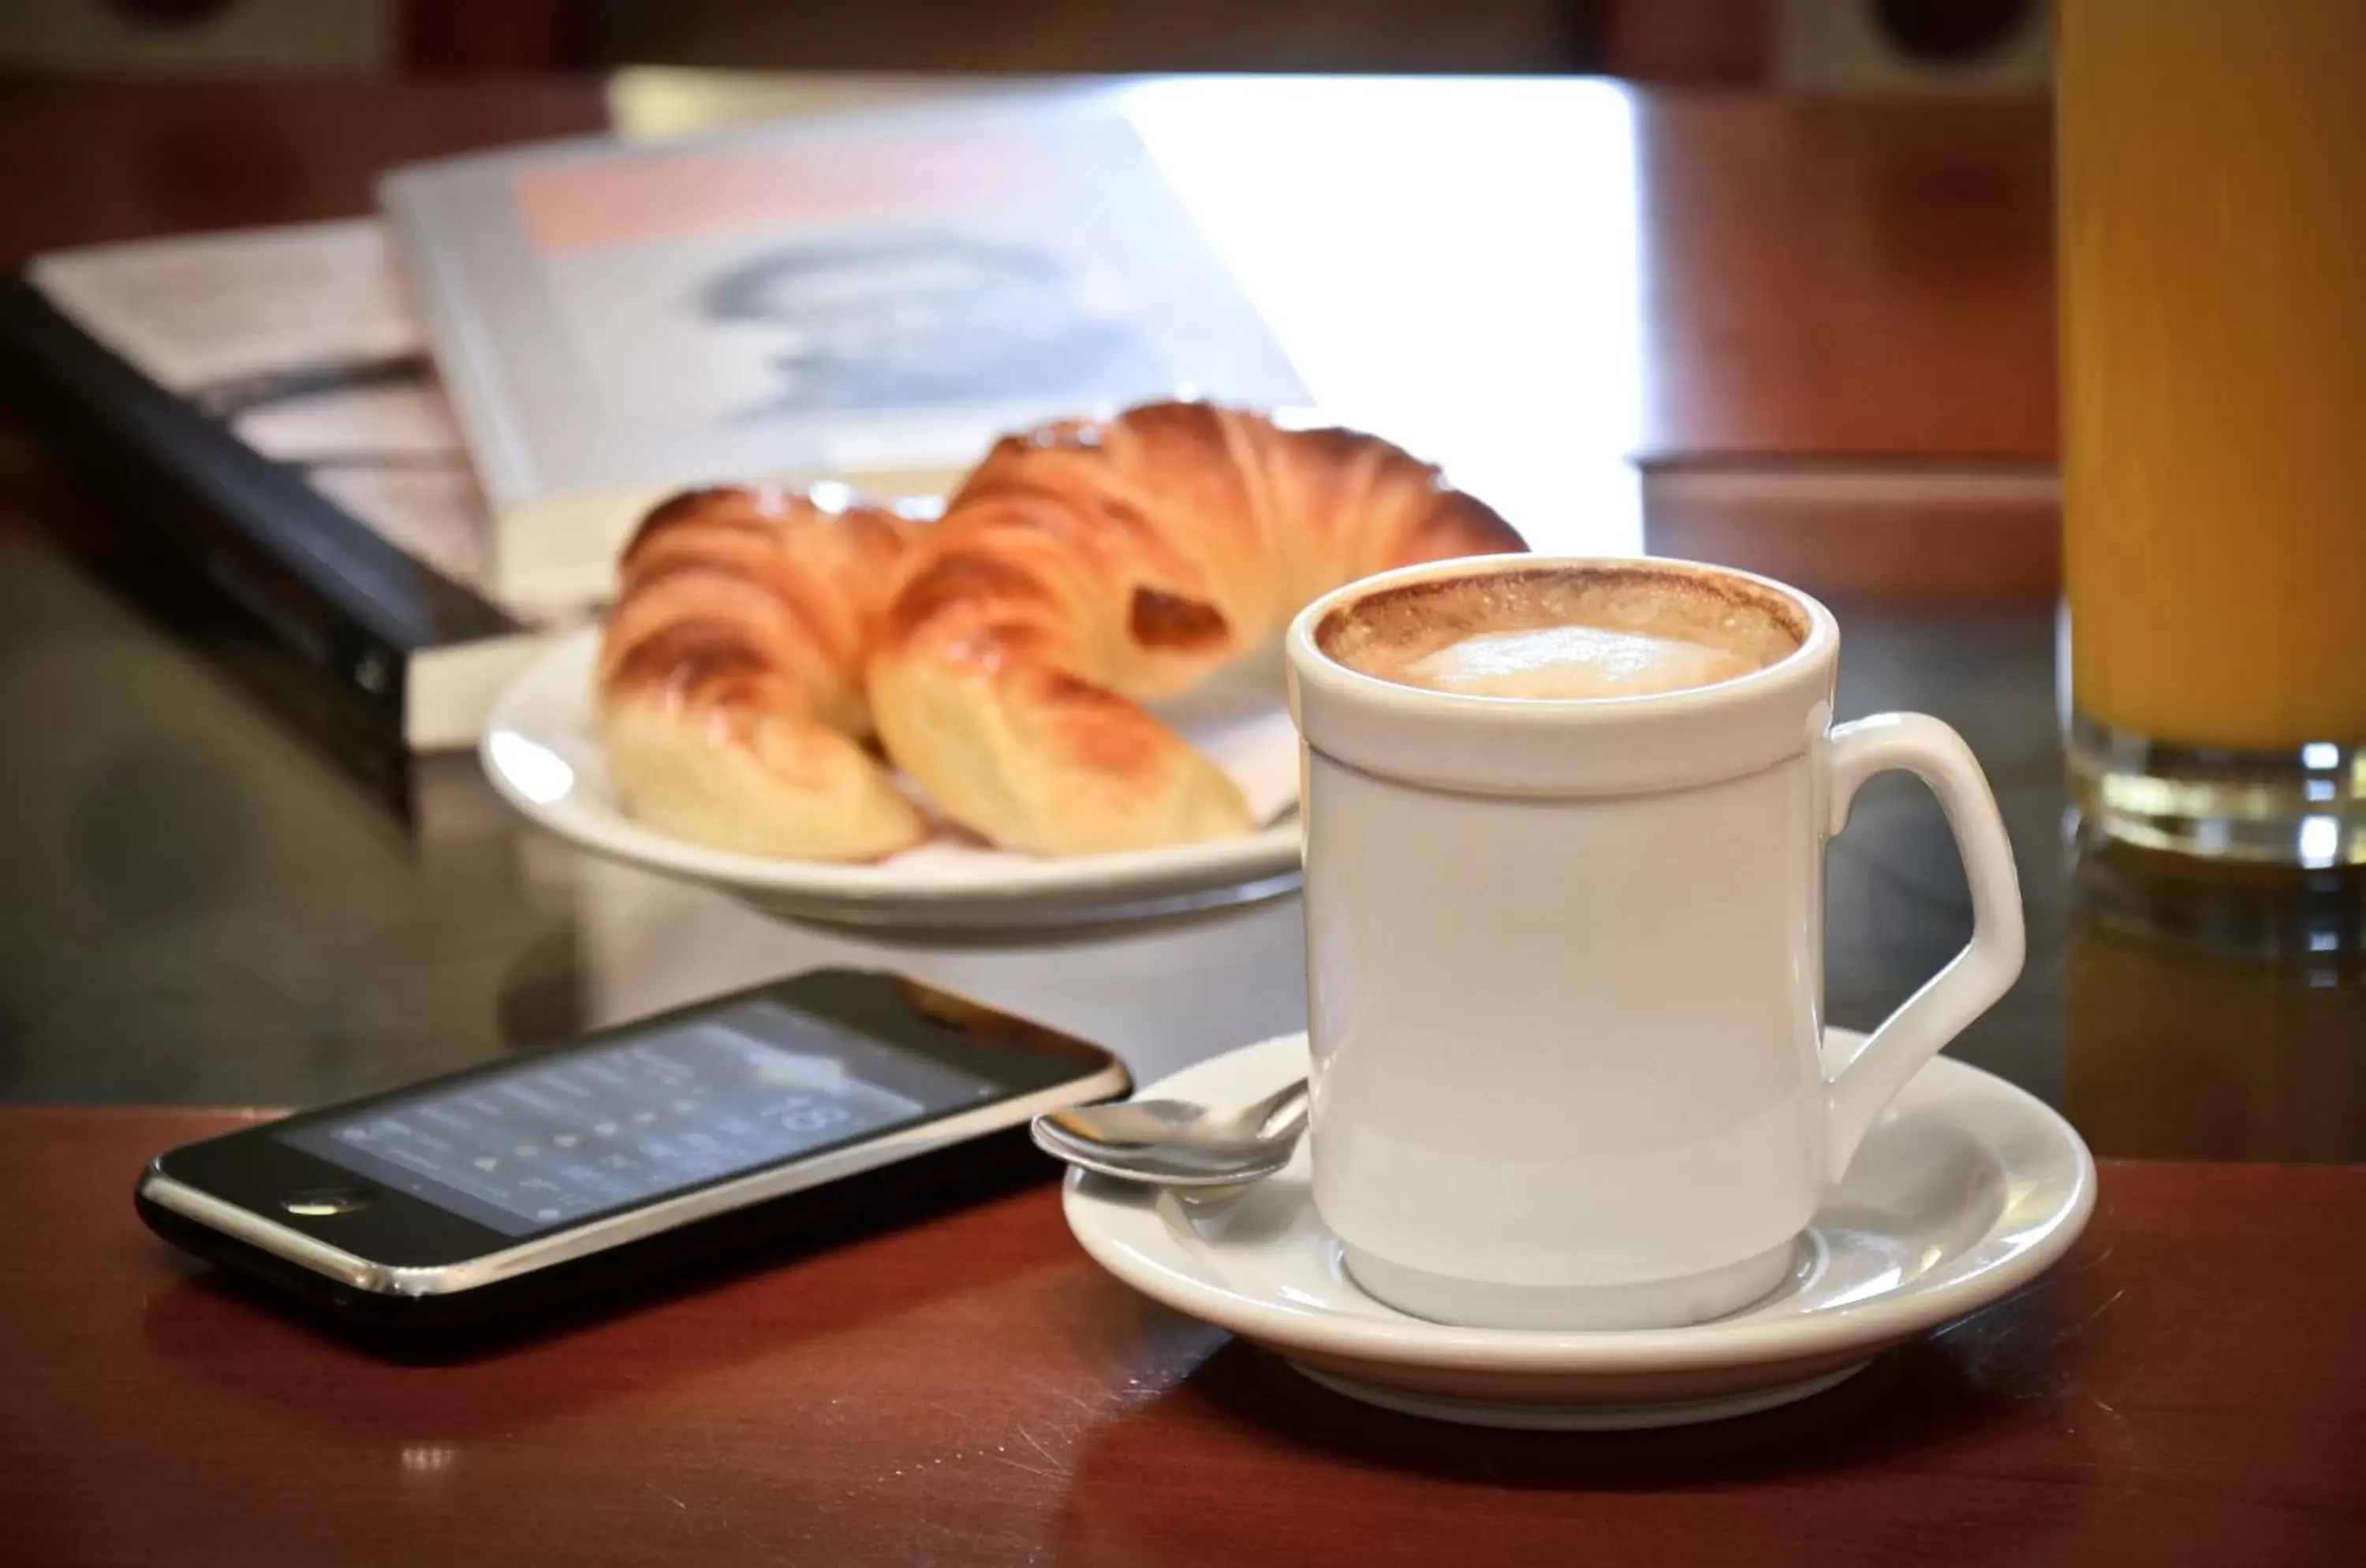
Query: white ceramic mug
[1565,972]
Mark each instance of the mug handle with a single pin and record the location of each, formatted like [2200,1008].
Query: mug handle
[1856,1088]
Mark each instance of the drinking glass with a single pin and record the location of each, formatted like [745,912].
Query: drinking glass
[2212,233]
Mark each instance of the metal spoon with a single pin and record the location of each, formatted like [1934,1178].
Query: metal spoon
[1173,1143]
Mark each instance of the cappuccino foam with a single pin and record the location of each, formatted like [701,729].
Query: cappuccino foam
[1565,633]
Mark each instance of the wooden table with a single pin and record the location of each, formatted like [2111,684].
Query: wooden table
[1845,373]
[2190,1387]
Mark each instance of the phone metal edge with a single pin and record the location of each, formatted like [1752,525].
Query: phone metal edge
[777,1181]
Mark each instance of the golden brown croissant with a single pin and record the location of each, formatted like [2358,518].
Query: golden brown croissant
[730,678]
[1088,566]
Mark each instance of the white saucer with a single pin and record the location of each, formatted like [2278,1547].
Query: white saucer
[542,755]
[1966,1190]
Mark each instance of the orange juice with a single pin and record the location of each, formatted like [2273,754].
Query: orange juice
[2212,233]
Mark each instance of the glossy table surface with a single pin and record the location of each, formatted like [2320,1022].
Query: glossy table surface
[2187,1387]
[1843,374]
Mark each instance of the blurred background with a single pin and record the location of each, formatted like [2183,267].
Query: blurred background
[1789,306]
[1872,46]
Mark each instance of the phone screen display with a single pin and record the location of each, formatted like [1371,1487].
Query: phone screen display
[582,1132]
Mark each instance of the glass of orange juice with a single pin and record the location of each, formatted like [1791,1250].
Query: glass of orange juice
[2212,159]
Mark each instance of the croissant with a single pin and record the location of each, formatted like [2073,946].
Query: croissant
[729,688]
[1088,566]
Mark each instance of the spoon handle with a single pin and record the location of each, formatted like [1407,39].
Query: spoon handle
[1285,1113]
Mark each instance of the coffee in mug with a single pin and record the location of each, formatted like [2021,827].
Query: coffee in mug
[1609,632]
[1565,823]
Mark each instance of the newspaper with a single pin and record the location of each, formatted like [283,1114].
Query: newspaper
[302,342]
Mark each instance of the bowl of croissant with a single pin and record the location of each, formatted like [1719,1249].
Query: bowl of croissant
[1057,700]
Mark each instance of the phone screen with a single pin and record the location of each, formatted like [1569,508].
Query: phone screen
[580,1133]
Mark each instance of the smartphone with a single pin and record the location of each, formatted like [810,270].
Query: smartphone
[548,1180]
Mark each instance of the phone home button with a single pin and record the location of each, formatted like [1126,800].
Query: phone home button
[326,1202]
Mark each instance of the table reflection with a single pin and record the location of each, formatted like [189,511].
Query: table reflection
[2215,1011]
[1162,994]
